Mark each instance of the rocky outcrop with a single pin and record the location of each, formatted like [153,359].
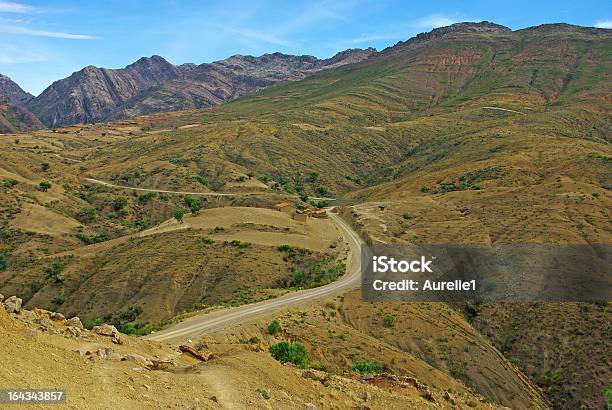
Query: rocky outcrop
[93,93]
[13,304]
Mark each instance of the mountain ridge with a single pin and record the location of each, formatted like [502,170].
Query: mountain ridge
[95,94]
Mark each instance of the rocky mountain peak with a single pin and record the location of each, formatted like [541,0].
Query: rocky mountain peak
[13,92]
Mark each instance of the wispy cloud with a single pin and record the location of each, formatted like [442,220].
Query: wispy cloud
[368,38]
[604,24]
[10,7]
[256,35]
[42,33]
[435,21]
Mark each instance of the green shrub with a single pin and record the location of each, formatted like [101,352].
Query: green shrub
[254,340]
[3,262]
[241,178]
[284,248]
[93,323]
[206,240]
[202,180]
[389,320]
[144,199]
[424,189]
[54,270]
[9,183]
[44,186]
[88,213]
[164,197]
[286,352]
[297,277]
[274,327]
[368,367]
[119,203]
[407,216]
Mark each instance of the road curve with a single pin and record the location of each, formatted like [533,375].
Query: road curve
[200,324]
[111,185]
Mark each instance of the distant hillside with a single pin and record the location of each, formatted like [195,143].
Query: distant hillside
[153,85]
[13,116]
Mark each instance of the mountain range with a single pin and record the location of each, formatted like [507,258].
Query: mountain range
[152,85]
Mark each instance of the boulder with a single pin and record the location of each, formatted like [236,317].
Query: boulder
[1,297]
[310,406]
[74,322]
[108,330]
[58,317]
[141,360]
[105,330]
[13,304]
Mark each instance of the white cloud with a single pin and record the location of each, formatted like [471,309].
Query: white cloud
[435,21]
[10,7]
[42,33]
[604,24]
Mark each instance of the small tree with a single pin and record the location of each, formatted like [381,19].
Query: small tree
[178,215]
[193,204]
[44,186]
[274,327]
[44,166]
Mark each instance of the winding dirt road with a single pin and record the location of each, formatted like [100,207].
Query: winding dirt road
[111,185]
[197,325]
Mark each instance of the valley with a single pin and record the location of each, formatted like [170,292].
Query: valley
[169,225]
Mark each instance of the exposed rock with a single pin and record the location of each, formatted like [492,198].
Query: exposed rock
[310,406]
[206,356]
[13,304]
[108,330]
[1,297]
[99,353]
[75,322]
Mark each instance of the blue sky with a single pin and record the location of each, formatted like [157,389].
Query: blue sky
[42,41]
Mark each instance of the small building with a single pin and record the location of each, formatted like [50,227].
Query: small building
[321,213]
[284,207]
